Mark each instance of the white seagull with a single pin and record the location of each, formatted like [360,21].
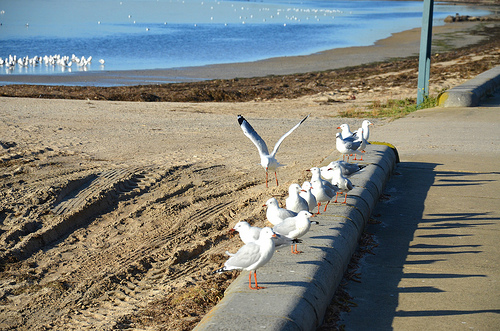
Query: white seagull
[252,256]
[346,168]
[267,161]
[250,233]
[366,129]
[247,232]
[316,175]
[308,196]
[347,146]
[359,136]
[346,131]
[322,193]
[294,201]
[294,227]
[275,214]
[343,183]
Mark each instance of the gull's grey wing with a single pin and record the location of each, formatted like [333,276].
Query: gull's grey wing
[253,135]
[277,145]
[284,213]
[244,257]
[280,241]
[285,227]
[351,144]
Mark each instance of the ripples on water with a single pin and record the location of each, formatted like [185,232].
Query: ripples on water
[150,34]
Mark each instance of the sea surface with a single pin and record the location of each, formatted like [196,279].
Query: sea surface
[162,34]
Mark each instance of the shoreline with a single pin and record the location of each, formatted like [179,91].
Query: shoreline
[399,45]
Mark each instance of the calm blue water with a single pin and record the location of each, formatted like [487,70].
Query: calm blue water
[151,34]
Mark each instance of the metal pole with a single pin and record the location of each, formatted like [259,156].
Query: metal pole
[424,62]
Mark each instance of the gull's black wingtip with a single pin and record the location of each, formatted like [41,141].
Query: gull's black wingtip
[305,118]
[218,270]
[241,119]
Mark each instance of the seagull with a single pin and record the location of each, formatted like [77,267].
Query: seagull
[347,146]
[359,136]
[247,232]
[346,131]
[322,193]
[267,161]
[316,175]
[343,183]
[322,189]
[294,227]
[308,196]
[366,129]
[346,168]
[250,233]
[275,214]
[252,256]
[294,201]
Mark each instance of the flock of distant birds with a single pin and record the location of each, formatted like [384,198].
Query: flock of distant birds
[63,61]
[293,221]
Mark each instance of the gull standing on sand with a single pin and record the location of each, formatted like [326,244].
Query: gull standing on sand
[275,214]
[308,196]
[252,256]
[294,201]
[347,146]
[294,227]
[267,161]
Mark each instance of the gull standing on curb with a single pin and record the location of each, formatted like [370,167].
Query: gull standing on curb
[294,227]
[247,232]
[267,161]
[308,196]
[343,183]
[252,256]
[250,233]
[294,201]
[346,168]
[347,146]
[346,131]
[359,136]
[316,175]
[366,129]
[275,214]
[322,193]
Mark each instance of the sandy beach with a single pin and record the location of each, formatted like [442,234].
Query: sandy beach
[115,213]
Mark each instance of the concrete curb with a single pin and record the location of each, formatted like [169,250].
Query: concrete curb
[300,287]
[470,93]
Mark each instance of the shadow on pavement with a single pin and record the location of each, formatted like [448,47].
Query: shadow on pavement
[378,295]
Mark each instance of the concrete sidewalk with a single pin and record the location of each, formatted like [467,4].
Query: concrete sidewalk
[437,264]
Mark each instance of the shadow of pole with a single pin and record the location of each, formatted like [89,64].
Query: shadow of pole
[378,295]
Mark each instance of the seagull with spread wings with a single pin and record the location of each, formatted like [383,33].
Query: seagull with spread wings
[267,160]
